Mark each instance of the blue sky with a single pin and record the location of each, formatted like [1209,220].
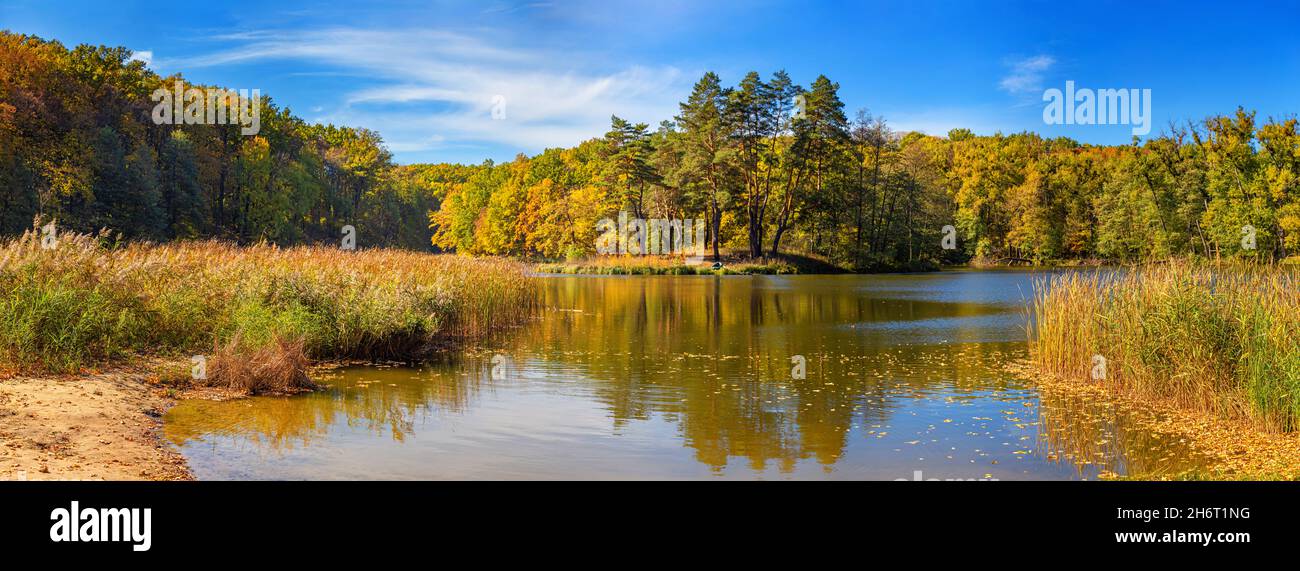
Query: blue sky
[424,74]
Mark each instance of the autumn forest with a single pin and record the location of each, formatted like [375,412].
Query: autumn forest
[771,166]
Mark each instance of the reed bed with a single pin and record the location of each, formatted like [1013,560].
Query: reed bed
[1220,339]
[90,301]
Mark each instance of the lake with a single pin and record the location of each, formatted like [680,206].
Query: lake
[700,377]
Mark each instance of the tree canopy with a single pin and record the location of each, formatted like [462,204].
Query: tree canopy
[770,166]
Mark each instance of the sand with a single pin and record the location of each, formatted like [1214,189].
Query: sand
[95,426]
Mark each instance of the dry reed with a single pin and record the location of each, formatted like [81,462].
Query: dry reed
[91,300]
[1222,339]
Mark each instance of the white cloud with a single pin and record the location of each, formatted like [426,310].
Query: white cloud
[1027,74]
[981,119]
[552,98]
[145,56]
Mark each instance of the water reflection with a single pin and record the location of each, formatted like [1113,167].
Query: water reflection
[679,377]
[1099,438]
[378,399]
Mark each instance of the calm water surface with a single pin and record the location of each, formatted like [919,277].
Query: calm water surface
[669,377]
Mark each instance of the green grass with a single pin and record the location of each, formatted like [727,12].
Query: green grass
[86,303]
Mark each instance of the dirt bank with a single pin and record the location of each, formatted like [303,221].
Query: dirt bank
[99,426]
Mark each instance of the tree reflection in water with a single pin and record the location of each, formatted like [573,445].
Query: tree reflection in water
[712,358]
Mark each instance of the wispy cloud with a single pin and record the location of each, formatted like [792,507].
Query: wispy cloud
[1026,74]
[508,8]
[984,119]
[145,56]
[427,89]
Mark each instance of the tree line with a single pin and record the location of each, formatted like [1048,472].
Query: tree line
[78,145]
[772,167]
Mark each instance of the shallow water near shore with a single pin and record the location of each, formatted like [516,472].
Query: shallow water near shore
[694,377]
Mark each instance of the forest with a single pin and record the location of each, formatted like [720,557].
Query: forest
[78,145]
[771,166]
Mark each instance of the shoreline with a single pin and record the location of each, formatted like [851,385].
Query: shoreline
[787,265]
[89,426]
[108,426]
[801,265]
[101,425]
[1239,449]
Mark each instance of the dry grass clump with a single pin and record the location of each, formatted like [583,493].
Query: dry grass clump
[1223,339]
[91,300]
[279,367]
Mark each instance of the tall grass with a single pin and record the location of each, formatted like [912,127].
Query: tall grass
[1220,339]
[88,301]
